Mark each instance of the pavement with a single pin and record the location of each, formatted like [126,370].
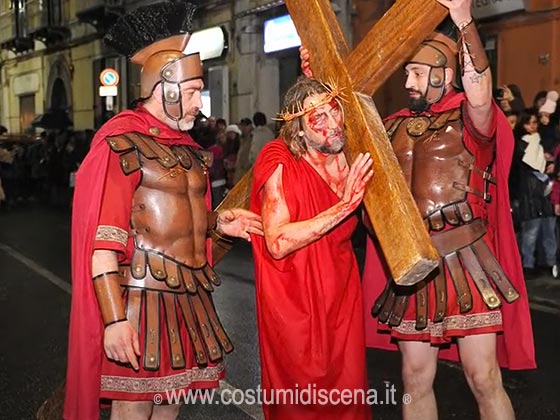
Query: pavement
[34,307]
[544,293]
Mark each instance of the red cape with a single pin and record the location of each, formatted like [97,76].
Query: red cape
[85,341]
[515,346]
[309,304]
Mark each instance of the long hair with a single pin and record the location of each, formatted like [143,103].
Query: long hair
[293,102]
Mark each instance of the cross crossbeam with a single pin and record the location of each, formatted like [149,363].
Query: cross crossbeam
[408,250]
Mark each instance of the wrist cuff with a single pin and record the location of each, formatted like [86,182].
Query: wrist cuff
[109,297]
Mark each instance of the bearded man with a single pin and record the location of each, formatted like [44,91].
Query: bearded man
[455,149]
[309,300]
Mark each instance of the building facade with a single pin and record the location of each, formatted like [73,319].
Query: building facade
[51,55]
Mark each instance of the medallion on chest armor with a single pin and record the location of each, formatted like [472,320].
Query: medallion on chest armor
[418,126]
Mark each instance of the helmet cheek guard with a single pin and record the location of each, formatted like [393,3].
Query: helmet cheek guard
[436,84]
[180,70]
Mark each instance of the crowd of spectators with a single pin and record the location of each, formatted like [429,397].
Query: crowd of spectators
[40,169]
[534,181]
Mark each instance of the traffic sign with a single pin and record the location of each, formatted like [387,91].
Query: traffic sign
[109,77]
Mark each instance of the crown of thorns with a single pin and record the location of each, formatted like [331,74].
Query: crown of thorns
[297,110]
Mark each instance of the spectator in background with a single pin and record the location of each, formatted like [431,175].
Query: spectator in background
[221,125]
[539,100]
[530,189]
[512,118]
[261,135]
[517,103]
[509,98]
[242,165]
[217,171]
[547,129]
[231,148]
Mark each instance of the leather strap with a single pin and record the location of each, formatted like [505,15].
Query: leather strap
[492,267]
[133,307]
[151,346]
[422,306]
[451,240]
[464,296]
[214,350]
[441,294]
[173,335]
[479,278]
[221,334]
[109,297]
[399,307]
[192,329]
[377,307]
[386,304]
[148,282]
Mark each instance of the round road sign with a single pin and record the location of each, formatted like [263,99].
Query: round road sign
[109,77]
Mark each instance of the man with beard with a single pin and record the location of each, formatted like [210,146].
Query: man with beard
[455,150]
[309,302]
[143,323]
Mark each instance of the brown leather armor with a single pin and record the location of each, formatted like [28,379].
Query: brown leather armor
[441,172]
[439,188]
[169,224]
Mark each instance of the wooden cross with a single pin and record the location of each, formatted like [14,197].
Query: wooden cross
[404,240]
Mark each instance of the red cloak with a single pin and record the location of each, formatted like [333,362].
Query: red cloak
[515,346]
[309,304]
[85,341]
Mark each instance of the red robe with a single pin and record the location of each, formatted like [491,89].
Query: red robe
[309,304]
[85,341]
[515,344]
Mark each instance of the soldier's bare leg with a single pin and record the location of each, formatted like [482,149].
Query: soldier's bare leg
[478,356]
[131,410]
[166,412]
[419,366]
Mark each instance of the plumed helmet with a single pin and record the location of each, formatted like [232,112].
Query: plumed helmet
[154,37]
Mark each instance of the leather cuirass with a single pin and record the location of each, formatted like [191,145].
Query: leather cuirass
[169,223]
[438,167]
[169,212]
[430,162]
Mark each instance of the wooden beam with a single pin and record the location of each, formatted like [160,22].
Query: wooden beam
[238,197]
[391,41]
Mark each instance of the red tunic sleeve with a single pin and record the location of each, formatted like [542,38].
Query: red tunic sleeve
[116,205]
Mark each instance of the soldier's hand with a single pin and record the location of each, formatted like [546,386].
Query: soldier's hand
[121,343]
[360,173]
[459,10]
[305,64]
[239,223]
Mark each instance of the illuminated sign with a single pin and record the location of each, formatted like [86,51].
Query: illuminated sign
[210,43]
[279,34]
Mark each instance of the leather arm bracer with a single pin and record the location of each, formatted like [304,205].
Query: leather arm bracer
[472,45]
[109,296]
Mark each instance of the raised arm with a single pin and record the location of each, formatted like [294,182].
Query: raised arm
[283,237]
[476,75]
